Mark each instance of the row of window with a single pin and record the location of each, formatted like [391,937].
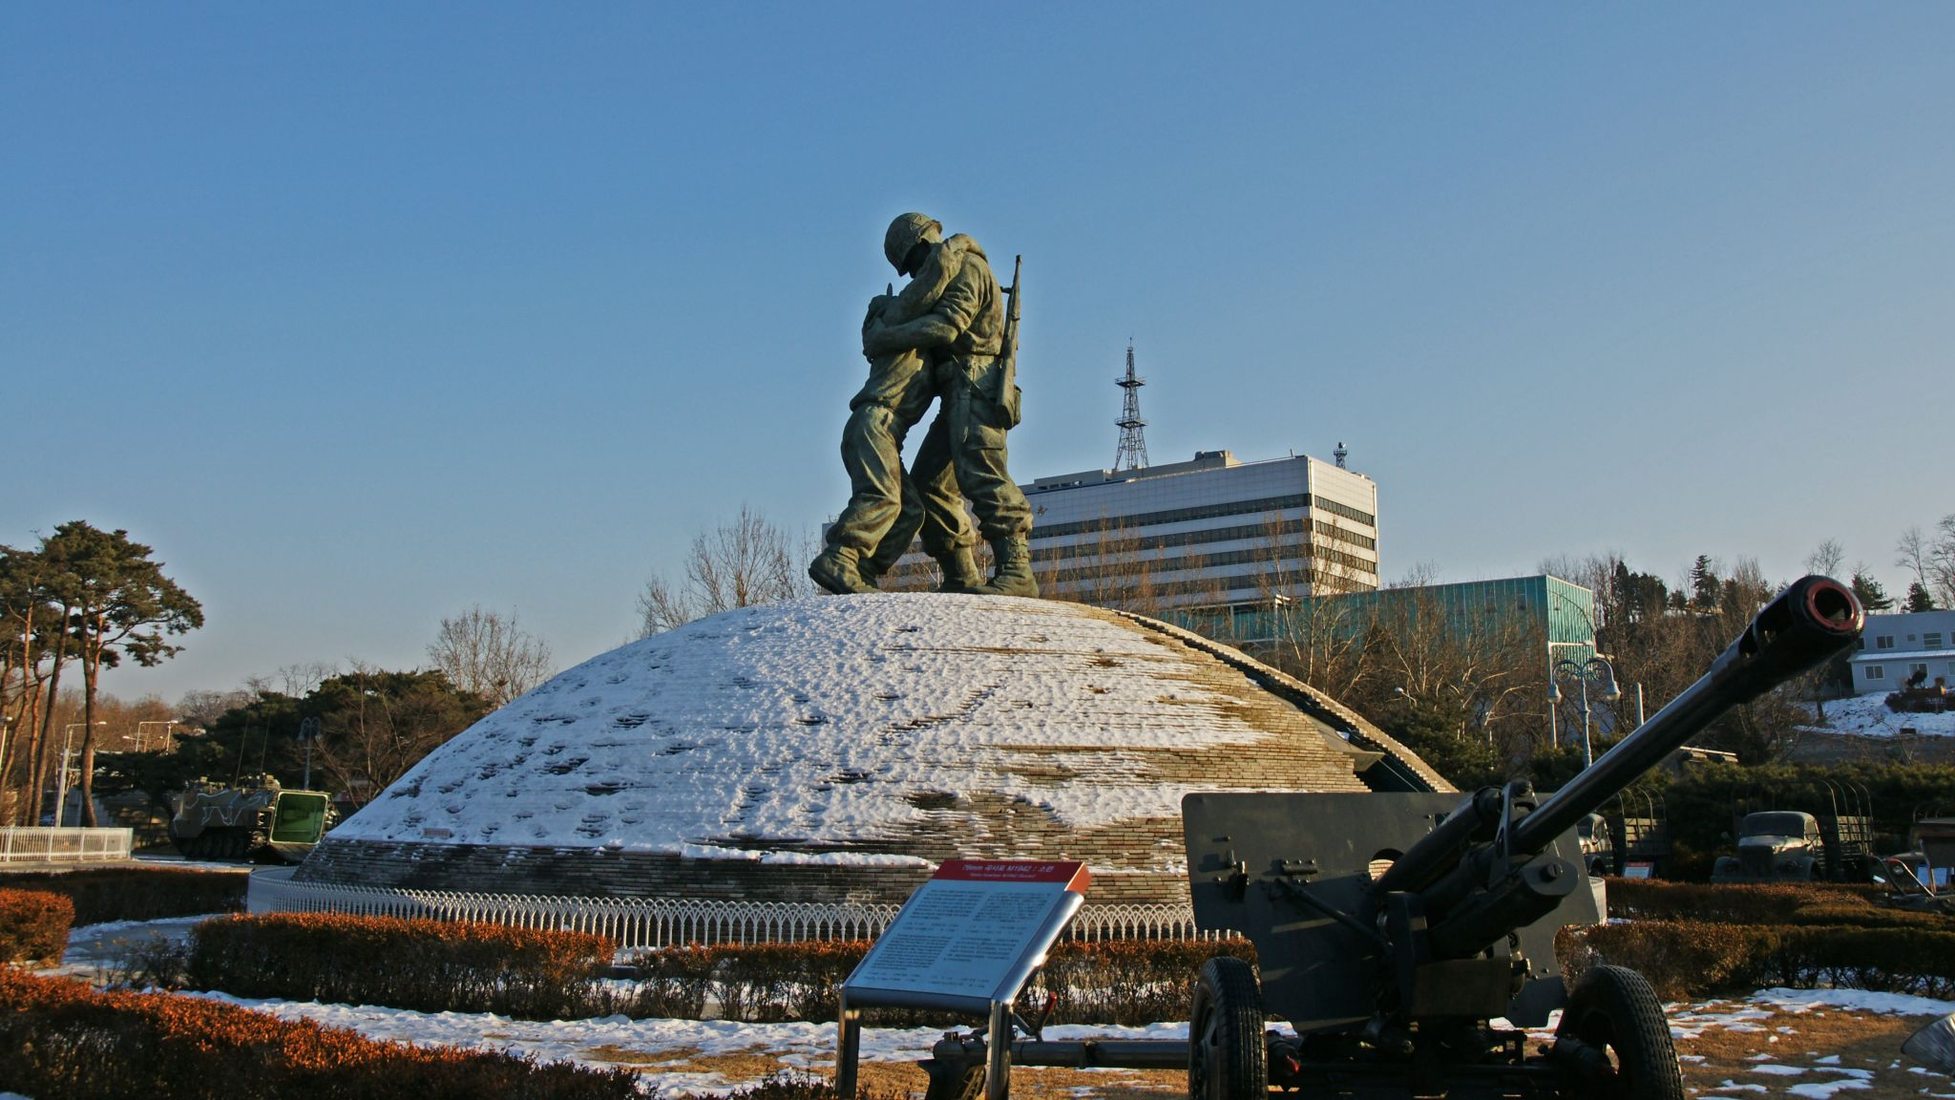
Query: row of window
[1930,640]
[1116,544]
[1332,530]
[1124,594]
[1348,512]
[1205,511]
[1271,556]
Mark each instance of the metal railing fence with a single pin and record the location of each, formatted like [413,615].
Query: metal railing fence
[41,844]
[643,923]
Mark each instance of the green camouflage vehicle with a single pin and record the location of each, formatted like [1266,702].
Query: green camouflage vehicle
[255,819]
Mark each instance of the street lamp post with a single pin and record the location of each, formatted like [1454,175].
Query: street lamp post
[1582,672]
[142,743]
[61,788]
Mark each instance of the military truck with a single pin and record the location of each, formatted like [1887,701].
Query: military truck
[1774,846]
[1598,849]
[1835,844]
[254,819]
[1640,829]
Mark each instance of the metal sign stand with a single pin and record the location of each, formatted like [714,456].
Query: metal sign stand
[966,941]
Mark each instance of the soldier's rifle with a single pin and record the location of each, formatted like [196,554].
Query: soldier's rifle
[1008,348]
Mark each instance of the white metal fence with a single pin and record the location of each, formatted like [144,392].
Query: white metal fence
[667,922]
[35,844]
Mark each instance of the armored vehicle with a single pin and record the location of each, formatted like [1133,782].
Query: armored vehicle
[255,819]
[1920,697]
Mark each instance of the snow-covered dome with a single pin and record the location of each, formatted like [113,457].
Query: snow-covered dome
[838,747]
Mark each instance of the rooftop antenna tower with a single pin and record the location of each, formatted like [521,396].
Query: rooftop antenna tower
[1133,444]
[1340,454]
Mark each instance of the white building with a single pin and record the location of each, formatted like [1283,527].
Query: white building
[1896,647]
[1207,533]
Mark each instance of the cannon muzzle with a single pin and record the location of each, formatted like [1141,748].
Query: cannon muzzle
[1810,621]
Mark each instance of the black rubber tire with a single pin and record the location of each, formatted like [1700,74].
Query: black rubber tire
[954,1080]
[1614,1009]
[1226,1055]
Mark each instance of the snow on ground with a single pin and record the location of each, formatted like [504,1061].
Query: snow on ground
[1868,716]
[653,1046]
[830,714]
[1688,1021]
[650,1046]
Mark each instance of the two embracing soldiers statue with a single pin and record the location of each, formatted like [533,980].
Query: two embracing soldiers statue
[946,337]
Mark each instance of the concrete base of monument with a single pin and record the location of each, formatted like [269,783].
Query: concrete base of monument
[835,750]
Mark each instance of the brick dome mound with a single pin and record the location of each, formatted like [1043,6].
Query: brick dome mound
[836,748]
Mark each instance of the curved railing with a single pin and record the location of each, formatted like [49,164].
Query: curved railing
[667,922]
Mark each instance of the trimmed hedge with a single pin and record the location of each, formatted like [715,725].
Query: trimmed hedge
[34,925]
[444,966]
[1761,903]
[1128,981]
[141,893]
[67,1040]
[425,965]
[1687,959]
[1117,982]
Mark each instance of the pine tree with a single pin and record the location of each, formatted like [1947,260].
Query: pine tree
[1705,587]
[1918,598]
[1872,596]
[117,603]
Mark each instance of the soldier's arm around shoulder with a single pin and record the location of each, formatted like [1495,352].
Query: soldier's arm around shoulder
[919,296]
[964,295]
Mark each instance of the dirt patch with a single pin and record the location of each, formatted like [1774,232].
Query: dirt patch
[1856,1054]
[1729,1049]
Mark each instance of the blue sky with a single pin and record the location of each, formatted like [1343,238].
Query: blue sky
[361,314]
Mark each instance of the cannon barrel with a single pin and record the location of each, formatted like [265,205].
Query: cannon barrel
[1810,621]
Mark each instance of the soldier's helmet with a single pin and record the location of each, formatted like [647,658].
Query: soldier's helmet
[904,234]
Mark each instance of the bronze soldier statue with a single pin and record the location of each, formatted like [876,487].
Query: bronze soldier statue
[963,335]
[860,543]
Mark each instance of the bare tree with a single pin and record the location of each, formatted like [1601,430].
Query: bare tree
[295,680]
[737,564]
[1826,558]
[1941,561]
[1114,566]
[1911,554]
[487,653]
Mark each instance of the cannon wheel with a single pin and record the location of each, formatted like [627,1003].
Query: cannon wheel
[954,1080]
[1613,1009]
[1226,1060]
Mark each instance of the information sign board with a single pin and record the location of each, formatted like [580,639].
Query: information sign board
[963,934]
[965,941]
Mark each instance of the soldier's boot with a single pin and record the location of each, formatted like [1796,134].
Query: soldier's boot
[1014,574]
[867,572]
[960,571]
[834,569]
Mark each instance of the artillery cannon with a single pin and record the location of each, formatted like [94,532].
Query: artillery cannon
[1392,930]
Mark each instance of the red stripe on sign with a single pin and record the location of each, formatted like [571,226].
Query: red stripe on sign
[1072,873]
